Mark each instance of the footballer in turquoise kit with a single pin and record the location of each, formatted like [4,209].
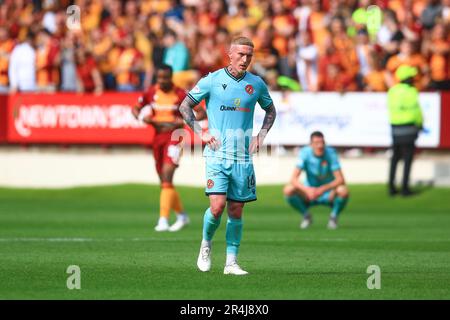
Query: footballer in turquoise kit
[230,106]
[324,183]
[231,95]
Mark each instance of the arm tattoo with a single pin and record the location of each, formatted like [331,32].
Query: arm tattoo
[269,119]
[188,115]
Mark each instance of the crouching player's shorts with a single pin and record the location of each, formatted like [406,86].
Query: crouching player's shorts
[165,150]
[324,199]
[235,179]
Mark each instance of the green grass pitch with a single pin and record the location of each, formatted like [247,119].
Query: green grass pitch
[108,233]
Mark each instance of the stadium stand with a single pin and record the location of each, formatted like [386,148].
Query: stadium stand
[323,45]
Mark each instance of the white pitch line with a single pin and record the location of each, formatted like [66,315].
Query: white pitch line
[178,239]
[83,239]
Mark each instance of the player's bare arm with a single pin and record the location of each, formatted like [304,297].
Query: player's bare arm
[187,111]
[200,113]
[268,121]
[308,192]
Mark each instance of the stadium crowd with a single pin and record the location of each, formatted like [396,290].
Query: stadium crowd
[307,45]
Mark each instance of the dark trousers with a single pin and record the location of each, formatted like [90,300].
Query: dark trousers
[404,151]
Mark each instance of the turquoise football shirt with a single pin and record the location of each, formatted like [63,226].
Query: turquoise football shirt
[319,170]
[230,105]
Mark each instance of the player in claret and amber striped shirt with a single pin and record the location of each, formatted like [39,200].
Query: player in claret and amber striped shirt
[158,106]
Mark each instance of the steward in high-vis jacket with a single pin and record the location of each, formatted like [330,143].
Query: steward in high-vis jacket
[406,122]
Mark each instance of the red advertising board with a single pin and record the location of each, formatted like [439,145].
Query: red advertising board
[73,118]
[445,120]
[3,117]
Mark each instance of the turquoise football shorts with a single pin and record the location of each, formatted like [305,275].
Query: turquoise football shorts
[235,179]
[324,199]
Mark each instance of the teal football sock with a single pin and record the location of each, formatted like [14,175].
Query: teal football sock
[233,235]
[210,225]
[298,203]
[338,205]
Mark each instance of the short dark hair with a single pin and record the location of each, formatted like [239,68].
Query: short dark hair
[165,67]
[317,134]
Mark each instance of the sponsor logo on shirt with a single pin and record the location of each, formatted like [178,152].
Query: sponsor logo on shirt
[227,108]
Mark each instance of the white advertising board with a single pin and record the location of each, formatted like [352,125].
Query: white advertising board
[351,119]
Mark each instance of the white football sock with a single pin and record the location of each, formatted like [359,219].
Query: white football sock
[231,259]
[163,220]
[206,243]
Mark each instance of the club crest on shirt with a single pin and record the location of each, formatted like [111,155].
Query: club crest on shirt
[324,163]
[210,183]
[249,89]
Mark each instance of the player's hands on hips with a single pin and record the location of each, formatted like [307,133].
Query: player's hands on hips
[211,141]
[255,144]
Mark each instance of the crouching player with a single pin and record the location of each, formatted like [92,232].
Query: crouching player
[324,185]
[163,99]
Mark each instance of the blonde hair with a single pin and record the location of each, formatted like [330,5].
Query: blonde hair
[242,41]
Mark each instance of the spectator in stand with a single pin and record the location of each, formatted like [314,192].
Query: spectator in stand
[307,63]
[129,65]
[222,45]
[408,55]
[438,51]
[363,51]
[157,55]
[22,66]
[345,47]
[446,11]
[101,45]
[432,12]
[375,79]
[265,56]
[390,36]
[207,59]
[89,79]
[203,19]
[317,22]
[331,56]
[47,61]
[177,56]
[190,29]
[336,79]
[6,47]
[68,63]
[284,26]
[49,17]
[235,24]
